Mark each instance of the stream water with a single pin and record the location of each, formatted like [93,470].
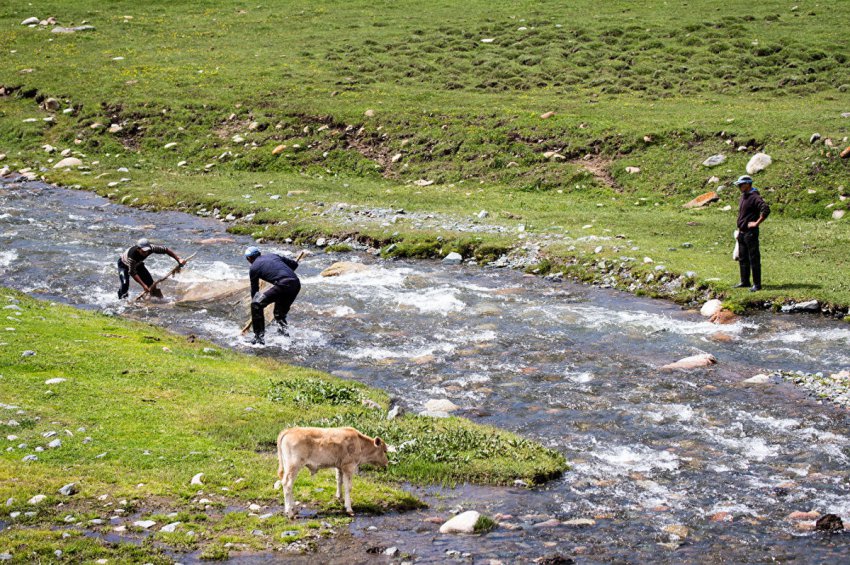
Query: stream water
[574,367]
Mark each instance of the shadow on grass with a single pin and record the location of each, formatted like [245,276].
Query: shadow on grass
[791,286]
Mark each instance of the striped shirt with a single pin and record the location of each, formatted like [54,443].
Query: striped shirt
[133,256]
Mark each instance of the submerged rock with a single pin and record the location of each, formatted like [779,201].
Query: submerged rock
[829,523]
[692,362]
[724,317]
[463,523]
[344,268]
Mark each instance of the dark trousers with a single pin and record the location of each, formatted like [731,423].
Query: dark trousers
[749,257]
[282,296]
[124,277]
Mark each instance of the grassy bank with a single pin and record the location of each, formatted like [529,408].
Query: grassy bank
[139,412]
[212,105]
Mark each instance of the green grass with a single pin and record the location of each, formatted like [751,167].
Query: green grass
[631,84]
[159,409]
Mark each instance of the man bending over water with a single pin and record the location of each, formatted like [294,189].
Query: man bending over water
[280,272]
[132,264]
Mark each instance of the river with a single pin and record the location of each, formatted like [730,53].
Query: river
[574,367]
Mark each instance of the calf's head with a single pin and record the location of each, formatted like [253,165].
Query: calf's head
[377,454]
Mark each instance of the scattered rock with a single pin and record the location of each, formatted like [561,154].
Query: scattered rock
[54,381]
[67,163]
[551,523]
[721,517]
[394,412]
[441,405]
[838,214]
[396,158]
[344,268]
[798,515]
[758,162]
[808,306]
[30,21]
[714,160]
[75,29]
[758,380]
[633,170]
[483,214]
[713,180]
[37,499]
[463,523]
[579,522]
[703,200]
[546,115]
[170,145]
[829,523]
[196,480]
[169,528]
[144,524]
[677,530]
[369,113]
[391,551]
[453,259]
[51,104]
[814,137]
[55,443]
[692,362]
[278,150]
[554,155]
[69,489]
[846,153]
[423,182]
[711,307]
[28,353]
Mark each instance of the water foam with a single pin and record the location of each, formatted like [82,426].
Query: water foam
[8,257]
[622,460]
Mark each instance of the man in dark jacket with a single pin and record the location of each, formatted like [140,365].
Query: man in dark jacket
[752,211]
[131,264]
[280,272]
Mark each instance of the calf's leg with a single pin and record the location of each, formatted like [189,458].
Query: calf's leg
[289,474]
[338,483]
[347,474]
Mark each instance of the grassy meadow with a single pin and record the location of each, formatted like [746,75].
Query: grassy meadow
[223,104]
[141,411]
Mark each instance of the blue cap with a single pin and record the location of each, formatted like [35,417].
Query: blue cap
[745,179]
[252,251]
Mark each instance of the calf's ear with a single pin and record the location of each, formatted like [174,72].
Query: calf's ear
[378,442]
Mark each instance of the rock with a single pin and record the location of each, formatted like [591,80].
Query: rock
[838,214]
[441,405]
[721,517]
[724,317]
[677,530]
[798,515]
[463,523]
[278,150]
[115,128]
[633,170]
[758,380]
[30,21]
[69,489]
[67,163]
[452,259]
[483,214]
[37,499]
[321,242]
[758,162]
[703,200]
[394,412]
[808,306]
[369,113]
[144,524]
[713,180]
[551,523]
[396,158]
[579,522]
[711,307]
[423,182]
[169,528]
[692,362]
[28,353]
[554,155]
[196,480]
[488,40]
[55,443]
[714,160]
[344,268]
[55,381]
[170,145]
[829,523]
[814,137]
[51,104]
[547,115]
[30,458]
[846,153]
[60,29]
[391,551]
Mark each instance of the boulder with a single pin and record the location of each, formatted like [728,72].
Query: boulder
[692,362]
[452,258]
[463,523]
[703,200]
[67,163]
[829,523]
[711,307]
[724,317]
[714,160]
[344,268]
[758,162]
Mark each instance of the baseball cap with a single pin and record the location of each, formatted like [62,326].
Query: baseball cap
[744,179]
[143,243]
[252,251]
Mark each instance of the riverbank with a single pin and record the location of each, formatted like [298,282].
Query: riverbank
[130,414]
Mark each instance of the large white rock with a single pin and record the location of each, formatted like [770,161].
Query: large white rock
[169,528]
[452,258]
[36,499]
[838,214]
[711,308]
[67,163]
[30,21]
[692,362]
[198,479]
[343,268]
[145,524]
[758,162]
[441,405]
[55,381]
[758,380]
[463,523]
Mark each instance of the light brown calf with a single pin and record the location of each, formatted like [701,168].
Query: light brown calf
[320,448]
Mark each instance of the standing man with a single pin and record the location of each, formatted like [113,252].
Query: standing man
[752,211]
[132,264]
[280,272]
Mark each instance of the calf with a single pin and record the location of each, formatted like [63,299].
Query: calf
[320,448]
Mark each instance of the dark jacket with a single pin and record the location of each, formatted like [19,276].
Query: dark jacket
[273,269]
[751,207]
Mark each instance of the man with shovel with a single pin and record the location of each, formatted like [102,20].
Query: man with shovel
[132,264]
[279,271]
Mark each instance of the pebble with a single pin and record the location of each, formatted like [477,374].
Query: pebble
[169,528]
[29,458]
[758,380]
[69,489]
[580,522]
[28,353]
[196,480]
[55,443]
[633,170]
[37,499]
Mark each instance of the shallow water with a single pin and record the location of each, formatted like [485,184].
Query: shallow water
[571,366]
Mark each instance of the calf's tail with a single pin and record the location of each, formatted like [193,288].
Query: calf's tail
[280,462]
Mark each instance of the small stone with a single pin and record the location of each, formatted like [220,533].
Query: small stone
[677,530]
[463,523]
[711,307]
[396,158]
[369,113]
[196,480]
[551,523]
[55,443]
[254,507]
[391,551]
[814,137]
[55,381]
[170,145]
[37,499]
[758,379]
[714,160]
[633,170]
[69,490]
[30,21]
[483,214]
[554,155]
[441,405]
[30,458]
[758,162]
[799,515]
[394,412]
[547,115]
[838,214]
[144,524]
[580,522]
[169,528]
[452,258]
[702,200]
[692,362]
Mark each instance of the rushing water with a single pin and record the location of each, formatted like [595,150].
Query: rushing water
[574,367]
